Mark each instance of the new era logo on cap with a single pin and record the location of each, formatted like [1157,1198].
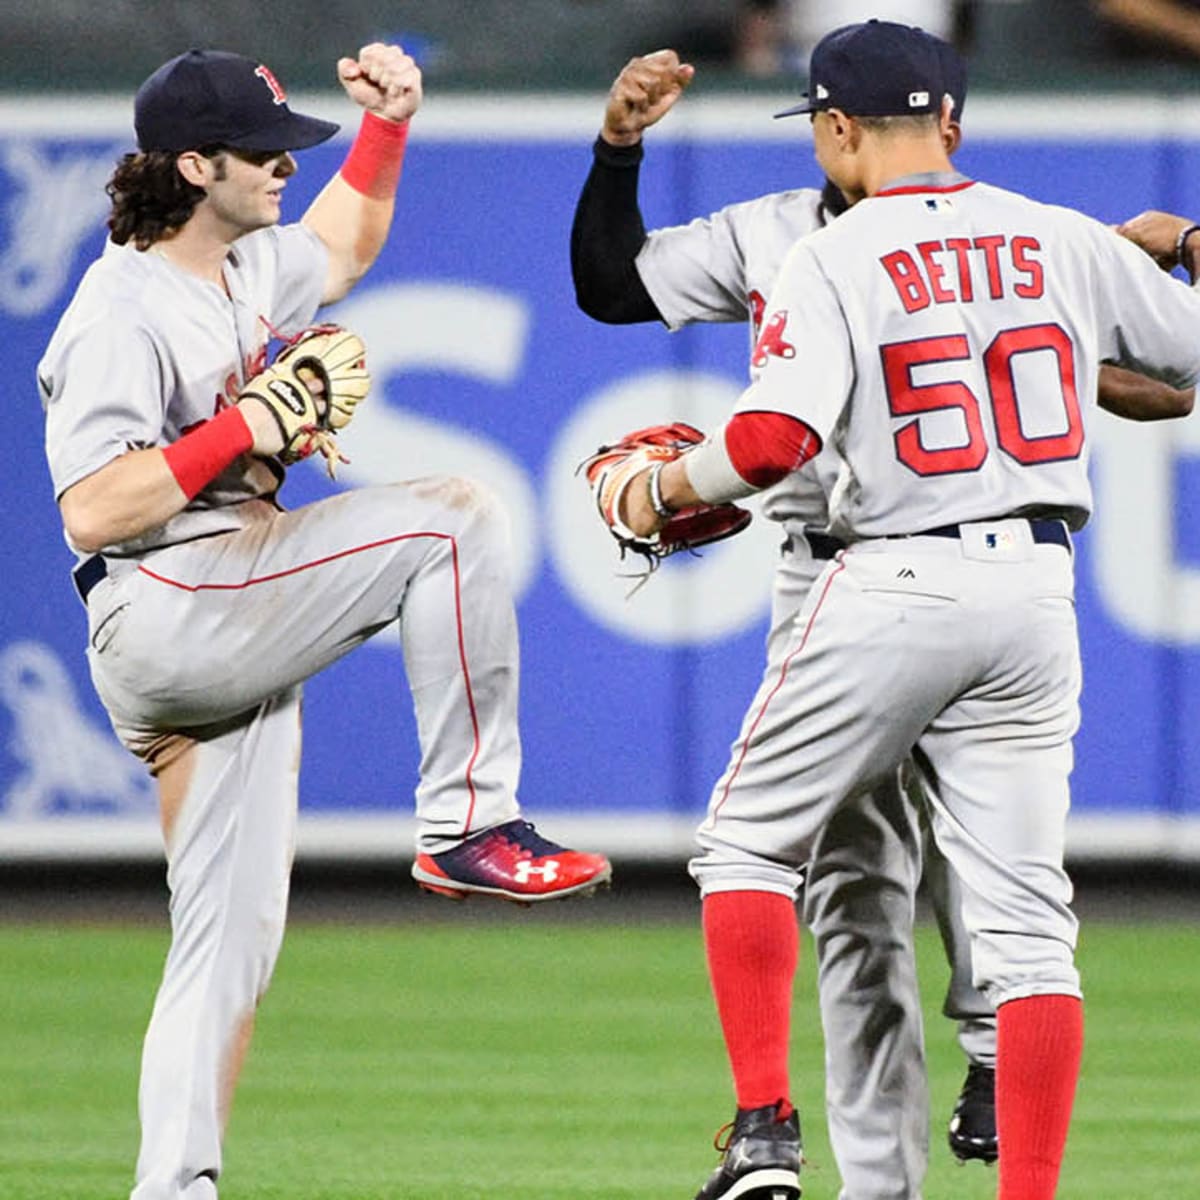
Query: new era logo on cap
[875,69]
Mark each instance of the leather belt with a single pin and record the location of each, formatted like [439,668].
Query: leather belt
[88,574]
[1044,531]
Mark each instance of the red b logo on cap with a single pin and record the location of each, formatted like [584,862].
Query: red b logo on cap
[265,74]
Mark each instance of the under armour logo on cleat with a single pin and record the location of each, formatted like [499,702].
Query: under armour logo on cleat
[548,871]
[906,573]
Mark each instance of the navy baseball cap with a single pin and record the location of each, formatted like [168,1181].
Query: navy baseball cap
[954,74]
[214,98]
[875,69]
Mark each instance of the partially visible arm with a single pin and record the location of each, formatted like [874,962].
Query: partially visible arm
[608,230]
[143,489]
[353,213]
[606,235]
[1165,20]
[1140,398]
[751,451]
[132,494]
[1170,240]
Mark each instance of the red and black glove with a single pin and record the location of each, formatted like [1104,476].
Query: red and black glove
[611,470]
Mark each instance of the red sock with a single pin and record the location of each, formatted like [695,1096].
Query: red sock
[1039,1045]
[753,945]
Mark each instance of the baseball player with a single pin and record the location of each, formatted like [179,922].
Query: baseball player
[720,269]
[859,891]
[945,338]
[208,604]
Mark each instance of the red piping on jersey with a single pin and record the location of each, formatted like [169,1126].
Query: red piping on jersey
[320,562]
[775,690]
[917,189]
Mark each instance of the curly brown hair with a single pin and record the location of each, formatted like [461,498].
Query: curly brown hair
[150,198]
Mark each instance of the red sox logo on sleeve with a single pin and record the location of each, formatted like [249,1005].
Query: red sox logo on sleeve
[771,341]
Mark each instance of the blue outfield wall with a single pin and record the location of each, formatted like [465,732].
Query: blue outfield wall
[483,365]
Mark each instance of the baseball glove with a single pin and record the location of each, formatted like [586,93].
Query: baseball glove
[335,360]
[611,470]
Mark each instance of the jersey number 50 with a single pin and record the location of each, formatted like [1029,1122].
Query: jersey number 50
[906,398]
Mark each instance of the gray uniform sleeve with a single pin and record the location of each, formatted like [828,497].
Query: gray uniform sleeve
[717,267]
[1149,321]
[104,395]
[696,272]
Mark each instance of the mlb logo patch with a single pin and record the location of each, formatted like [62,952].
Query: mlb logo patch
[938,204]
[999,541]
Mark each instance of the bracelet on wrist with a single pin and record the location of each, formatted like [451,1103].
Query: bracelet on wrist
[654,484]
[1181,242]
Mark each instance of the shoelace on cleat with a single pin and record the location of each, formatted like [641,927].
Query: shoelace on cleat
[524,835]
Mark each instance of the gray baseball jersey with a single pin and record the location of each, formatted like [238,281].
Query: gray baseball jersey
[969,324]
[146,351]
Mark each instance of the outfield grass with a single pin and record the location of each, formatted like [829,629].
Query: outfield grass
[520,1060]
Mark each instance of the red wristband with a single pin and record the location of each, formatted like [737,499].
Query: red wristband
[204,452]
[373,165]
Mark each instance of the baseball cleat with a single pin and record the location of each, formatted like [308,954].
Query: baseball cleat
[760,1157]
[511,862]
[972,1132]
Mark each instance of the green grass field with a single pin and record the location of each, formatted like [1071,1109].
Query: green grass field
[517,1059]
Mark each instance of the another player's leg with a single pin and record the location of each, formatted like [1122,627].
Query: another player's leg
[752,943]
[859,892]
[972,1128]
[807,742]
[229,806]
[859,900]
[999,793]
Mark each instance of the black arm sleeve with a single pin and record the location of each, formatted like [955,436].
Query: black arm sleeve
[606,235]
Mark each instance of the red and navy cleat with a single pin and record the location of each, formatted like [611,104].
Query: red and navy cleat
[511,862]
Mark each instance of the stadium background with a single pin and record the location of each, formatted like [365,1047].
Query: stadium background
[484,365]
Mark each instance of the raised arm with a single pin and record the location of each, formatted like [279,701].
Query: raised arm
[353,213]
[1165,21]
[608,230]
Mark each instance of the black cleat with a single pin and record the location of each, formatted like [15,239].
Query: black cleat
[972,1131]
[760,1157]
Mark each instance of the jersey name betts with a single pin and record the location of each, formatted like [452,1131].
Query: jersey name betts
[946,340]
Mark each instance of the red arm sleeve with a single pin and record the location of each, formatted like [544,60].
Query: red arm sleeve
[766,446]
